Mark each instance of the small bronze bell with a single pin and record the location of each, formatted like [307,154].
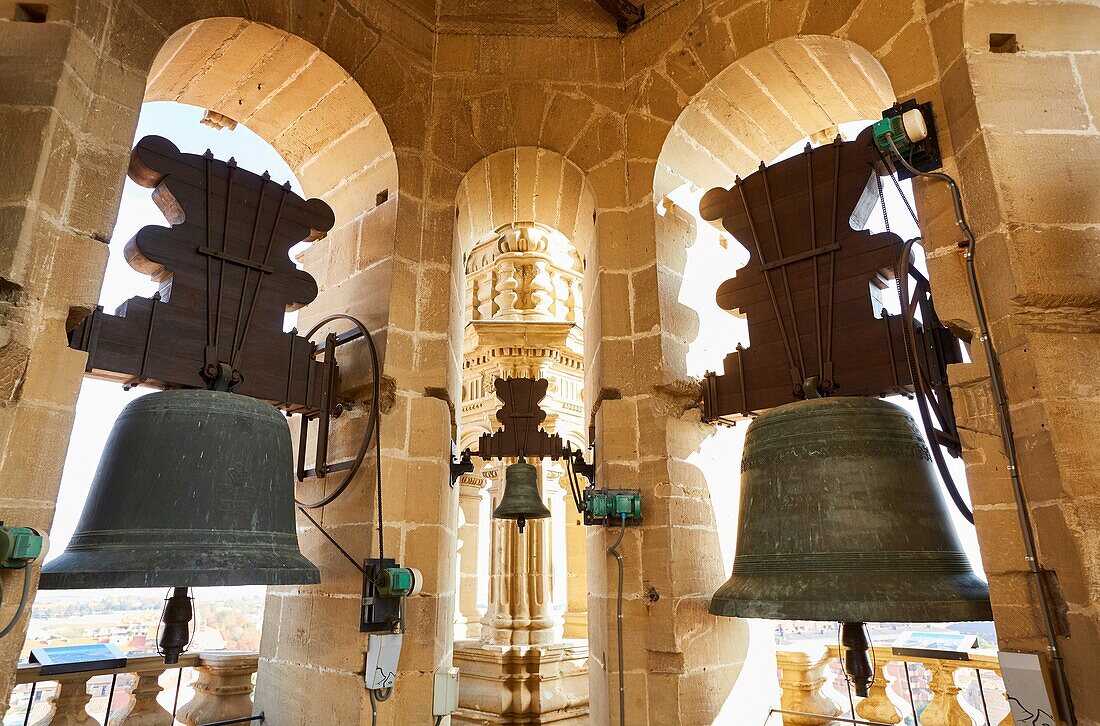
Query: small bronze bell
[521,499]
[842,519]
[195,488]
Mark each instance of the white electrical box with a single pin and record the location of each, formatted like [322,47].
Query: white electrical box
[383,653]
[445,700]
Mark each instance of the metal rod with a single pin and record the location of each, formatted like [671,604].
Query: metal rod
[239,353]
[909,685]
[335,544]
[981,692]
[813,246]
[243,719]
[30,704]
[176,699]
[767,280]
[209,283]
[248,270]
[232,164]
[832,263]
[786,712]
[110,697]
[1031,554]
[786,280]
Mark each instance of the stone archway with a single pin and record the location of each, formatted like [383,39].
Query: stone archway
[304,100]
[524,218]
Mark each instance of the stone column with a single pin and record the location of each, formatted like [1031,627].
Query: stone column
[576,580]
[467,619]
[223,690]
[801,676]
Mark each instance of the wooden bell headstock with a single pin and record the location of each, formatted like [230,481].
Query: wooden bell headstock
[226,280]
[812,285]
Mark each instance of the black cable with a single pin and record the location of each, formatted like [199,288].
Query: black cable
[613,550]
[330,538]
[378,476]
[22,602]
[1031,555]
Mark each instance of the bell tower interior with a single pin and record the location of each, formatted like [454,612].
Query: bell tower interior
[585,408]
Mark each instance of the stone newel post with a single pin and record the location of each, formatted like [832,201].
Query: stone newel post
[223,690]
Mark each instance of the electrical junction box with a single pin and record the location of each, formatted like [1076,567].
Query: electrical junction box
[610,506]
[383,653]
[445,695]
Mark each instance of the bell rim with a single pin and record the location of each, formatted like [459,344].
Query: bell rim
[951,597]
[91,570]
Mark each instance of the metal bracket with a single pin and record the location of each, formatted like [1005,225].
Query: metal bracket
[460,464]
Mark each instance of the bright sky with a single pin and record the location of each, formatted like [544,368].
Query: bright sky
[101,402]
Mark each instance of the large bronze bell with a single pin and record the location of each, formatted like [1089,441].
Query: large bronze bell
[194,488]
[842,519]
[521,499]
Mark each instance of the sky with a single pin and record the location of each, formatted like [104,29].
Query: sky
[100,402]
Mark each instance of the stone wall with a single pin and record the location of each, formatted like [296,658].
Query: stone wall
[453,83]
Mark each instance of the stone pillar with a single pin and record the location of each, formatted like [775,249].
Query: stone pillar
[223,690]
[467,618]
[801,676]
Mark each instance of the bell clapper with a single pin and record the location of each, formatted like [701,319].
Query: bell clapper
[175,625]
[859,670]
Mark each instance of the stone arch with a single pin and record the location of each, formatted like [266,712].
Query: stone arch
[525,184]
[764,102]
[312,109]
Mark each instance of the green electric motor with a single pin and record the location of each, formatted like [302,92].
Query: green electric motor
[904,130]
[609,506]
[399,582]
[20,546]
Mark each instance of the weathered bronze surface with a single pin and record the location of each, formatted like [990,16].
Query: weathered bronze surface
[195,488]
[842,519]
[521,499]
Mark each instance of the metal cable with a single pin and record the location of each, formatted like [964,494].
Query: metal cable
[613,550]
[1031,555]
[22,602]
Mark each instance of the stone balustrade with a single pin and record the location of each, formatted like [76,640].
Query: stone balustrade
[221,691]
[811,696]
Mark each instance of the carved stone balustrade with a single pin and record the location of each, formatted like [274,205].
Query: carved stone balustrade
[804,676]
[223,691]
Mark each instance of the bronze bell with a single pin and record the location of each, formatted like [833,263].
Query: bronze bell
[521,499]
[195,488]
[842,519]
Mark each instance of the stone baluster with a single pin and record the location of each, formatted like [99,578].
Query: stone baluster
[801,676]
[507,282]
[944,709]
[68,704]
[484,299]
[576,304]
[542,290]
[877,706]
[223,690]
[142,708]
